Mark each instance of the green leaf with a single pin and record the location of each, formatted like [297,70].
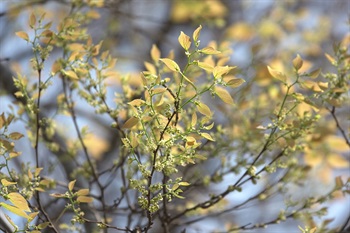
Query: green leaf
[172,65]
[277,75]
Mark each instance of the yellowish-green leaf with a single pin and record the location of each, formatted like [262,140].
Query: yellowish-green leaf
[234,82]
[315,73]
[130,123]
[277,74]
[194,119]
[204,109]
[71,185]
[16,135]
[338,182]
[297,62]
[14,154]
[205,66]
[32,20]
[219,71]
[58,195]
[37,171]
[224,95]
[330,58]
[172,65]
[19,201]
[2,120]
[5,182]
[183,183]
[175,186]
[337,161]
[184,41]
[137,102]
[207,136]
[23,35]
[187,79]
[155,53]
[209,50]
[190,141]
[196,33]
[82,192]
[70,74]
[85,199]
[150,67]
[15,210]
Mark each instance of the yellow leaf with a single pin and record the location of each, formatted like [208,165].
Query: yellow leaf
[172,65]
[16,135]
[183,183]
[209,50]
[71,185]
[47,33]
[19,201]
[194,119]
[137,102]
[23,35]
[155,53]
[184,41]
[15,210]
[150,67]
[204,109]
[96,49]
[82,192]
[130,123]
[207,136]
[315,73]
[5,182]
[196,33]
[277,75]
[337,161]
[234,82]
[85,199]
[37,171]
[337,143]
[224,95]
[95,145]
[219,71]
[297,62]
[330,58]
[70,74]
[56,66]
[32,20]
[205,66]
[93,14]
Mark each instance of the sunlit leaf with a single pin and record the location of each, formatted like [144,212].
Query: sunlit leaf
[155,53]
[23,35]
[172,65]
[315,73]
[205,66]
[15,210]
[330,58]
[130,123]
[224,95]
[297,62]
[19,201]
[234,82]
[85,199]
[209,51]
[196,33]
[337,161]
[207,136]
[194,119]
[71,185]
[204,109]
[95,145]
[338,182]
[277,74]
[219,71]
[16,135]
[32,20]
[183,183]
[184,41]
[70,74]
[5,182]
[137,102]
